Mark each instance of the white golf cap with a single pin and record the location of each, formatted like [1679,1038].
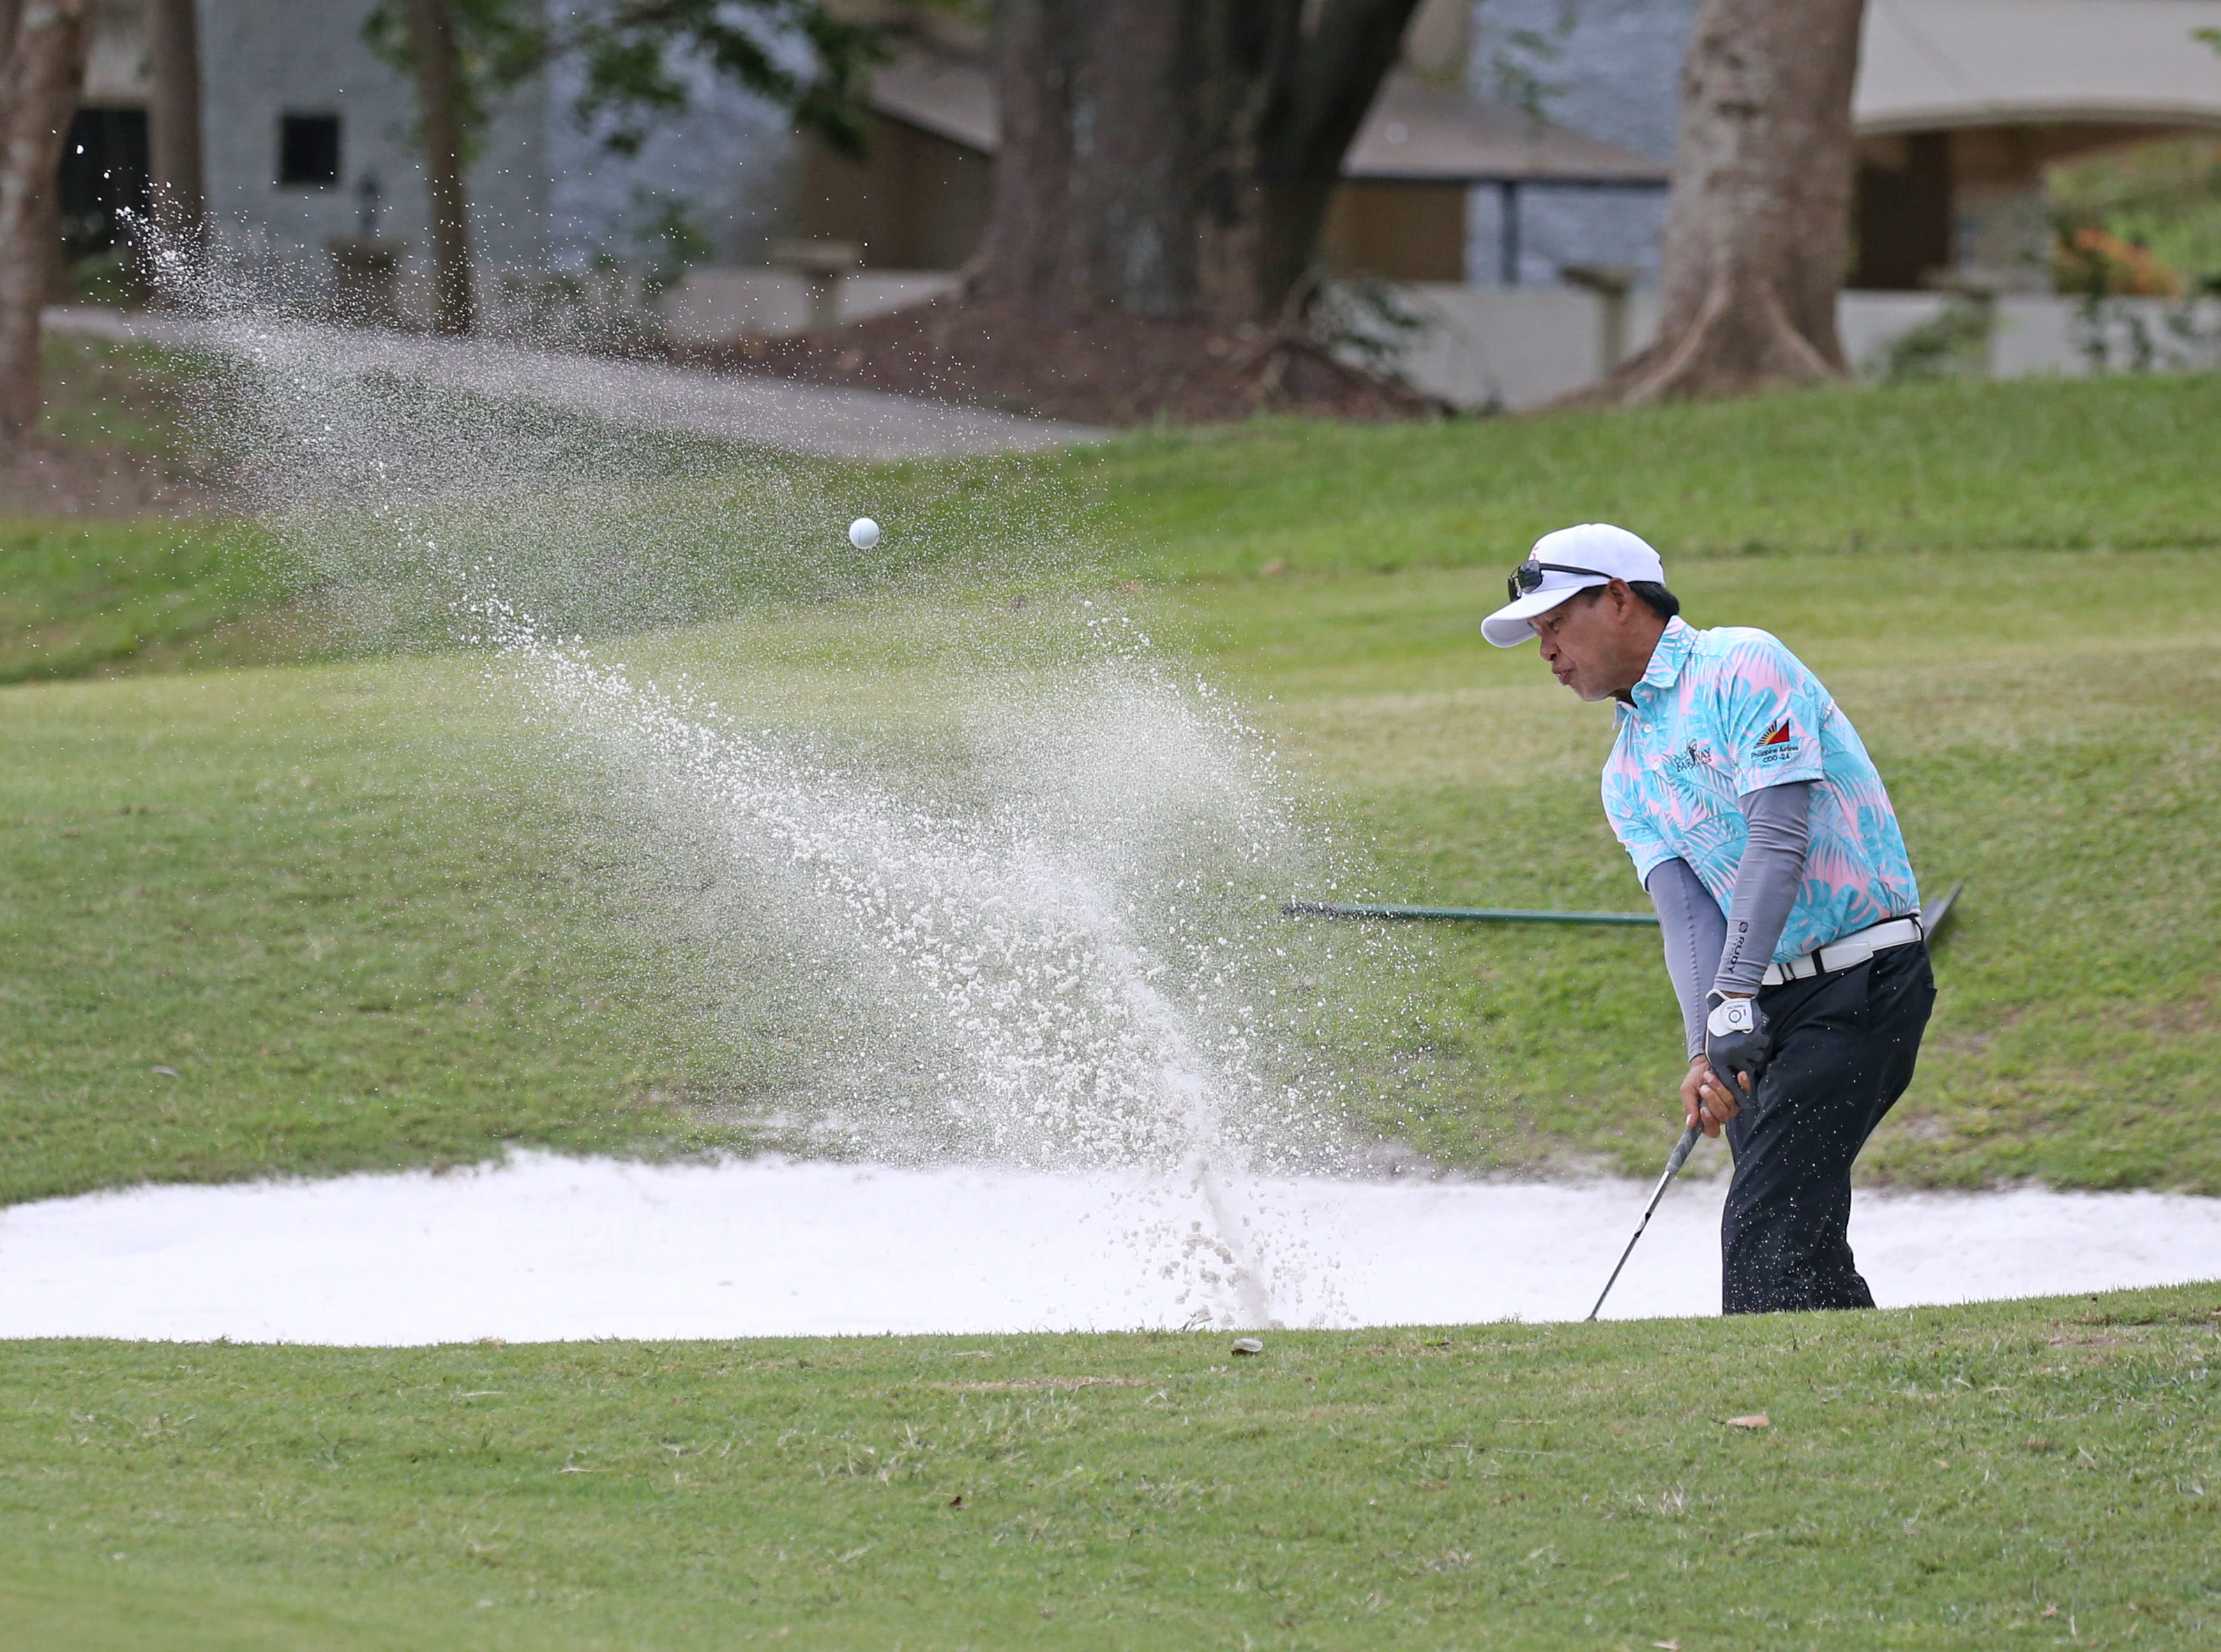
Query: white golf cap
[1599,550]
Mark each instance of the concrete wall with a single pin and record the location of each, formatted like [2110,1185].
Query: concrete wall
[717,303]
[263,59]
[731,160]
[1502,347]
[543,194]
[1490,347]
[1482,348]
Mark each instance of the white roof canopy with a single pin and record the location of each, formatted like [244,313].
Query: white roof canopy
[1420,133]
[1928,64]
[1416,133]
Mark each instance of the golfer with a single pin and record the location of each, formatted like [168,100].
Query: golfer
[1763,835]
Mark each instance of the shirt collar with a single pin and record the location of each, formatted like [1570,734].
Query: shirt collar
[1676,644]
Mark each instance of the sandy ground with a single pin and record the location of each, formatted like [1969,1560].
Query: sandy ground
[550,1248]
[817,420]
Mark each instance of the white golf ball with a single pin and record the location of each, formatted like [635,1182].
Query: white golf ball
[863,533]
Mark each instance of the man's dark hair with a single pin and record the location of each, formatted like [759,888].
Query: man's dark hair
[1652,596]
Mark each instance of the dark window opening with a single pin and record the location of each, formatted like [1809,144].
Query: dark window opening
[309,150]
[1901,212]
[101,177]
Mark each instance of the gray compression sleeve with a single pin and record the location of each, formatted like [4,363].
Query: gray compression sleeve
[1690,920]
[1766,881]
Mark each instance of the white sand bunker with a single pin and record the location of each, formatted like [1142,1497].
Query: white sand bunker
[548,1248]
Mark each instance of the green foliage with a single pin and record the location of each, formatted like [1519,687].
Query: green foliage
[1521,60]
[669,238]
[2116,335]
[2161,198]
[499,44]
[1938,1478]
[1363,319]
[628,52]
[627,48]
[1952,343]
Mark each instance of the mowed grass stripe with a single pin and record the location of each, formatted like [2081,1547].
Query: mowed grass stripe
[418,956]
[350,905]
[333,901]
[2124,463]
[2121,463]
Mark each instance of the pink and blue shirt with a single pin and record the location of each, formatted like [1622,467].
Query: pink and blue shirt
[1729,711]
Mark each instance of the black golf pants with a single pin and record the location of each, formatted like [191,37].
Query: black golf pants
[1843,1048]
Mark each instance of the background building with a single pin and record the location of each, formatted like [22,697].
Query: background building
[919,201]
[305,138]
[1518,140]
[1611,69]
[1961,107]
[306,141]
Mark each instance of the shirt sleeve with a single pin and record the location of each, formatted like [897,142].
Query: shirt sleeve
[1768,882]
[1689,919]
[1769,713]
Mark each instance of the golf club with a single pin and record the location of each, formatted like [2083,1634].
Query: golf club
[1681,1149]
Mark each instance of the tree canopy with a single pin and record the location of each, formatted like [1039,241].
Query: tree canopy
[631,55]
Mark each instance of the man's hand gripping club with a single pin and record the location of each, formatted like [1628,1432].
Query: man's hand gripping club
[1736,1043]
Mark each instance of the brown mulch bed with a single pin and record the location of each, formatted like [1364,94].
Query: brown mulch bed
[43,478]
[1100,369]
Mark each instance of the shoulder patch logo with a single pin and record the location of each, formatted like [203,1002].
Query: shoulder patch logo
[1777,735]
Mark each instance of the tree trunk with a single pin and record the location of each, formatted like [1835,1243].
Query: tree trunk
[174,111]
[1170,158]
[1757,232]
[1093,173]
[40,78]
[1284,104]
[440,126]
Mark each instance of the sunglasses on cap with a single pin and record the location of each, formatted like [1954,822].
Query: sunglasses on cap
[1528,576]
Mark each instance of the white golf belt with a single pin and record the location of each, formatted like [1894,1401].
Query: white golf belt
[1854,948]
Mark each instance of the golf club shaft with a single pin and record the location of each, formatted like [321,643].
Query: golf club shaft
[1680,1156]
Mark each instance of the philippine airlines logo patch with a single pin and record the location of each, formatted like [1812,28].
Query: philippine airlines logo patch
[1776,745]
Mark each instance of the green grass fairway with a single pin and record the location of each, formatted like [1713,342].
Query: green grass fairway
[305,919]
[2048,726]
[104,395]
[329,901]
[2126,463]
[83,600]
[2028,1472]
[2117,464]
[340,902]
[345,905]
